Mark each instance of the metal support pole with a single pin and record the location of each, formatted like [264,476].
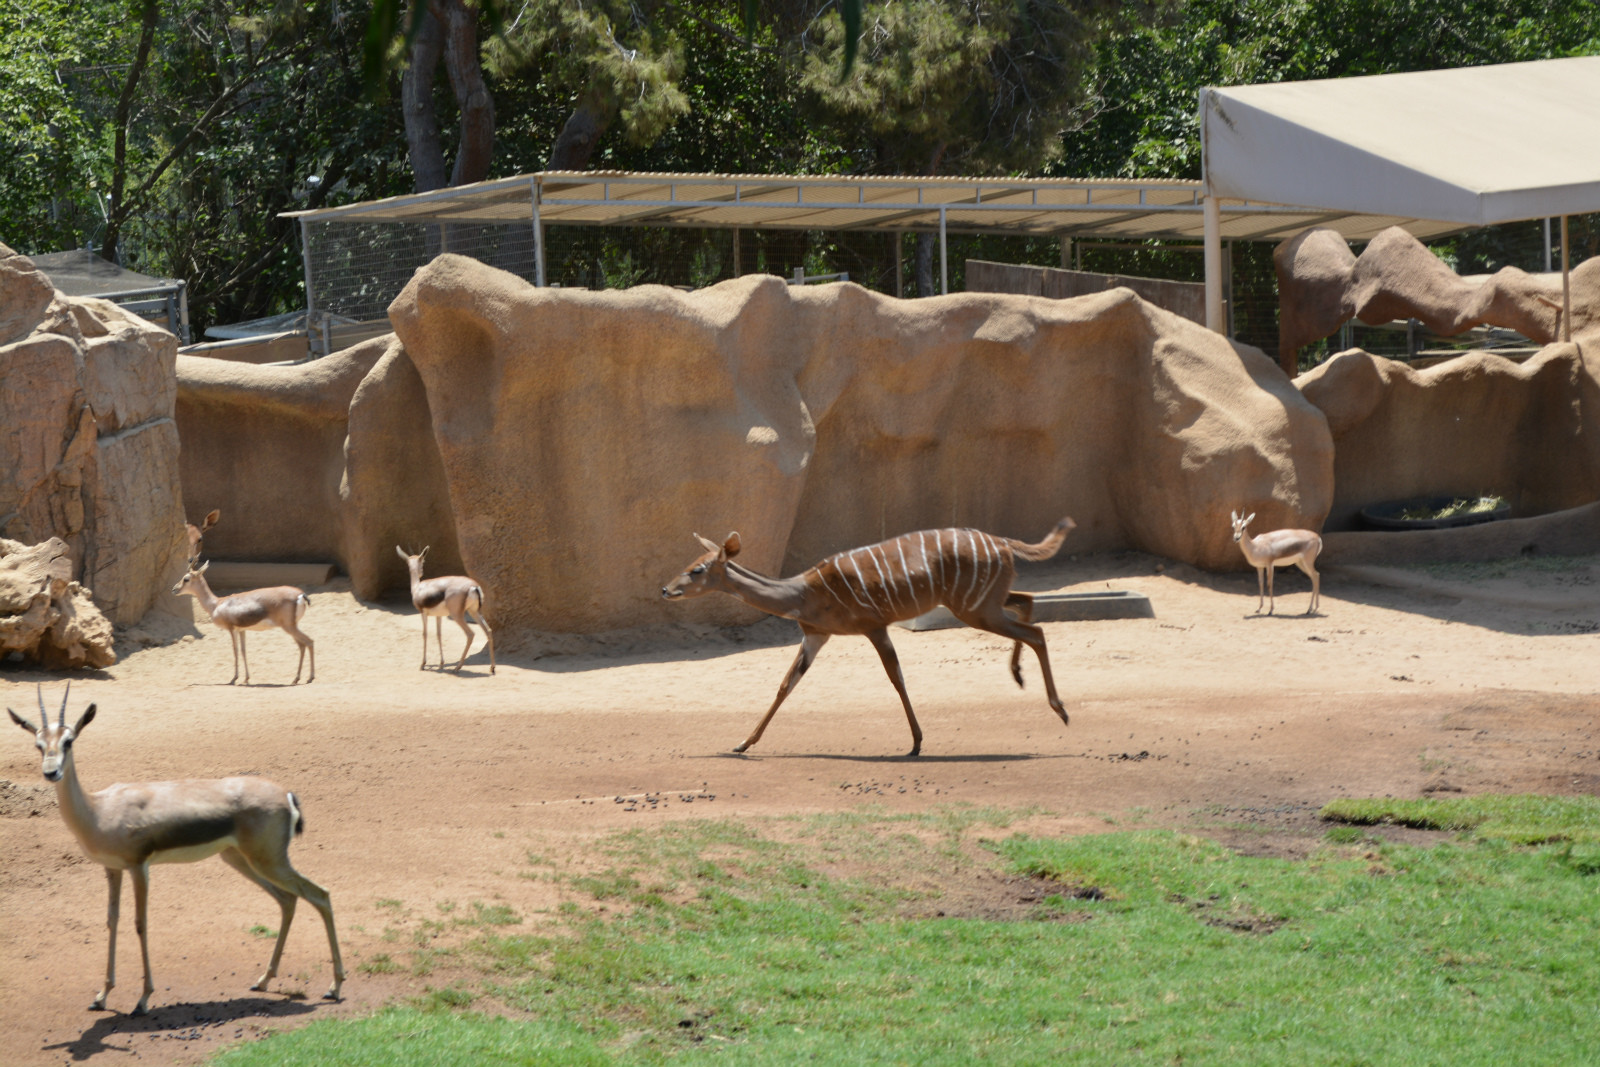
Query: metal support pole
[1547,246]
[897,239]
[1213,245]
[944,257]
[1566,285]
[1066,253]
[538,236]
[737,271]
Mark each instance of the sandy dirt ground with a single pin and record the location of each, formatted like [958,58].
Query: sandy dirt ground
[425,791]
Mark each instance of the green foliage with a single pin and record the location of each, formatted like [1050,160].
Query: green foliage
[1521,818]
[1158,947]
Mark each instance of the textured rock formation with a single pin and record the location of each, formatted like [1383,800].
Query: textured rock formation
[1478,423]
[46,617]
[1321,286]
[566,443]
[90,453]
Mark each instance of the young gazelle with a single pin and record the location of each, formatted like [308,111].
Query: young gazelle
[249,822]
[454,596]
[864,590]
[196,534]
[279,606]
[1280,548]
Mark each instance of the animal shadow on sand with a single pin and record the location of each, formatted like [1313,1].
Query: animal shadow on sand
[177,1022]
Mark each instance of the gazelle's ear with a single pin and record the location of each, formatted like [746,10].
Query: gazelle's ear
[1249,518]
[212,518]
[202,568]
[401,553]
[424,553]
[730,544]
[1233,516]
[20,721]
[84,720]
[710,545]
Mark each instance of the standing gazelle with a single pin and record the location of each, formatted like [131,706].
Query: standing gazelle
[452,595]
[1279,548]
[864,590]
[249,822]
[278,606]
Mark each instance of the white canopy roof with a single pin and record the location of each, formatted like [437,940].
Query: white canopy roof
[1471,145]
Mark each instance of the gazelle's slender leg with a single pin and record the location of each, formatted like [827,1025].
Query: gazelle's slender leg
[438,637]
[141,923]
[233,638]
[244,653]
[306,645]
[286,903]
[1272,597]
[1316,584]
[461,621]
[809,646]
[1023,604]
[424,644]
[113,912]
[487,633]
[891,665]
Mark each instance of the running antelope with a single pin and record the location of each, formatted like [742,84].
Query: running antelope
[196,534]
[249,822]
[454,596]
[1280,548]
[864,590]
[280,606]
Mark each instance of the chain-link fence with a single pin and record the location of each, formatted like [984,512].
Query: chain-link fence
[356,268]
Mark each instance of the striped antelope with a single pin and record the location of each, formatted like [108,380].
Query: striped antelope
[249,822]
[1279,548]
[279,606]
[865,589]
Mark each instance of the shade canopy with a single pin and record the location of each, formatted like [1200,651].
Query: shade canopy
[1474,146]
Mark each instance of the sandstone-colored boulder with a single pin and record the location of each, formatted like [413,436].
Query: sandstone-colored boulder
[46,617]
[1474,424]
[584,436]
[1321,287]
[90,453]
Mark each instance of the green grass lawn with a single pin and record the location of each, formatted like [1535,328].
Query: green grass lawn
[725,939]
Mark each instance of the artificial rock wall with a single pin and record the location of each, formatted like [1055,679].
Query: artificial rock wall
[562,445]
[88,442]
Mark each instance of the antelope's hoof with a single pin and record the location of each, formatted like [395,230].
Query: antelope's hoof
[332,994]
[1016,673]
[741,747]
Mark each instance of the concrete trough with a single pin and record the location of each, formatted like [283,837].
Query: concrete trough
[1057,607]
[235,577]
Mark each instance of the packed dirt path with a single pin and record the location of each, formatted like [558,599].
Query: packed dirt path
[426,792]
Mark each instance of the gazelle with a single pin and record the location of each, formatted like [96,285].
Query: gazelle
[1280,548]
[196,534]
[280,606]
[249,822]
[864,590]
[454,596]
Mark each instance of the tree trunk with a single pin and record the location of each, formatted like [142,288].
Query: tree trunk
[926,285]
[460,24]
[118,211]
[416,94]
[576,142]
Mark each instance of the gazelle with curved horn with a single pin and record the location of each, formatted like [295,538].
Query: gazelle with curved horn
[249,822]
[864,590]
[453,596]
[277,607]
[1278,548]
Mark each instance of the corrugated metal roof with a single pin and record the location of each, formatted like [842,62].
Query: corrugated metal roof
[1051,207]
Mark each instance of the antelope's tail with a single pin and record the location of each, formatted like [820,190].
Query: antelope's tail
[1046,548]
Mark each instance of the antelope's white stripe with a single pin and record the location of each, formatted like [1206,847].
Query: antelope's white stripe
[885,576]
[855,565]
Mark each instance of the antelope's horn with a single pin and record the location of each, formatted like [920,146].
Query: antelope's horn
[62,718]
[44,716]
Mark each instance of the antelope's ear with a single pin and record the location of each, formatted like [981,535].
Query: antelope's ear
[212,518]
[202,568]
[20,721]
[710,545]
[1248,519]
[1233,516]
[85,720]
[424,553]
[730,544]
[401,553]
